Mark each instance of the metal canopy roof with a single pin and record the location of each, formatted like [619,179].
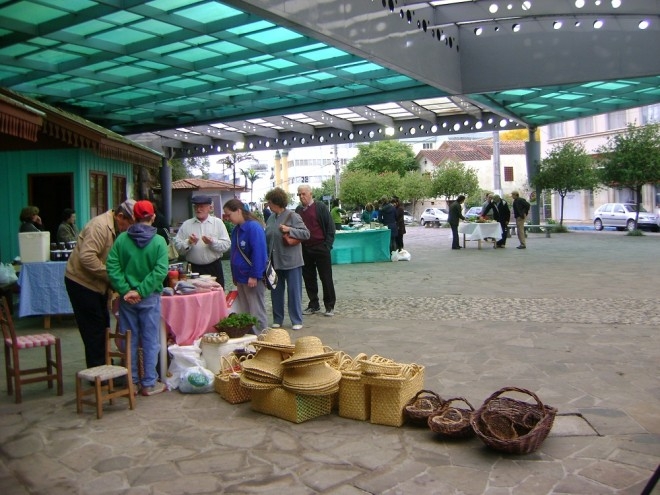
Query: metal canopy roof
[200,75]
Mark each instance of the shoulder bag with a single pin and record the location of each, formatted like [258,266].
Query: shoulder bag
[286,237]
[270,275]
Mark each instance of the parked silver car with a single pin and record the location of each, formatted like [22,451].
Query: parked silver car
[622,216]
[473,212]
[436,216]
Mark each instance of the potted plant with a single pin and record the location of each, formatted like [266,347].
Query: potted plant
[236,324]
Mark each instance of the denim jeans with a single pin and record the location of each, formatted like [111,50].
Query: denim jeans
[143,320]
[291,282]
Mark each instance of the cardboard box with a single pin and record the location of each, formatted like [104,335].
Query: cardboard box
[34,246]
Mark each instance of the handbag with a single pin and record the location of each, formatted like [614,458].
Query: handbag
[286,236]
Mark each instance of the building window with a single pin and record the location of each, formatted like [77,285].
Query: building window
[98,194]
[118,190]
[616,120]
[585,126]
[508,174]
[651,114]
[556,130]
[427,146]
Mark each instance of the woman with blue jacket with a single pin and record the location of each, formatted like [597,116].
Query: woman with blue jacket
[248,257]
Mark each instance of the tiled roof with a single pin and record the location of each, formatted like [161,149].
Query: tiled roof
[470,151]
[204,184]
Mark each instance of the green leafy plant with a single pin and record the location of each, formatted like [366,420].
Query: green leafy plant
[236,320]
[635,233]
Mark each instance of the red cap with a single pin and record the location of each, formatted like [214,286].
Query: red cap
[143,209]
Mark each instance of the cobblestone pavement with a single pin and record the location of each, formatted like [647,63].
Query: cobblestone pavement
[574,318]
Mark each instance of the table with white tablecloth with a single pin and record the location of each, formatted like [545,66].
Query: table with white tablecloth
[475,231]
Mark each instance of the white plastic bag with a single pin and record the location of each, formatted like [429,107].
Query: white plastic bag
[7,274]
[404,255]
[196,380]
[394,256]
[184,357]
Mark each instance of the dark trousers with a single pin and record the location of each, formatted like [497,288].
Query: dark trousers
[505,233]
[214,269]
[317,259]
[455,242]
[92,316]
[399,240]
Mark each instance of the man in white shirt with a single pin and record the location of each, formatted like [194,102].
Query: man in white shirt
[203,240]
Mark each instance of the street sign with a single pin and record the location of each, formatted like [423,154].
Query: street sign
[327,198]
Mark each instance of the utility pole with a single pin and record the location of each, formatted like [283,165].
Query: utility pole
[336,162]
[497,178]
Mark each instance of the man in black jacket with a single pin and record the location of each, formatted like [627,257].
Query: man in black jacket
[455,215]
[520,211]
[316,252]
[501,214]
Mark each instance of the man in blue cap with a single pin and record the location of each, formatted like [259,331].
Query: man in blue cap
[202,240]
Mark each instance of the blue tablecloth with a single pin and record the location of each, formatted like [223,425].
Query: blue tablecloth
[361,246]
[42,289]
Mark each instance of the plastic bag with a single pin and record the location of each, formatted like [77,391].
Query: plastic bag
[184,357]
[394,256]
[404,255]
[7,274]
[196,380]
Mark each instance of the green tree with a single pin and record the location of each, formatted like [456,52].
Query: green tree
[384,156]
[415,187]
[252,176]
[197,164]
[231,162]
[452,179]
[631,159]
[179,170]
[567,167]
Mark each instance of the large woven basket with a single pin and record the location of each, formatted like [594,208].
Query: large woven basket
[391,393]
[511,425]
[453,422]
[292,407]
[421,406]
[227,382]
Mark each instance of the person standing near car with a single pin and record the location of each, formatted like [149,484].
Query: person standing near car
[455,215]
[202,240]
[520,211]
[501,214]
[316,252]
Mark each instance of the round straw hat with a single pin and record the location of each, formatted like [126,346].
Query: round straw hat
[249,383]
[319,378]
[266,363]
[275,338]
[306,348]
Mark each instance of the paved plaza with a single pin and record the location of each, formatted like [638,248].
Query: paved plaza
[574,318]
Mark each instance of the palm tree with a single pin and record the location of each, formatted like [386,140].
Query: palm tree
[252,176]
[232,160]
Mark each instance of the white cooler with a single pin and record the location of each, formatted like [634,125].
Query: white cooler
[212,352]
[34,246]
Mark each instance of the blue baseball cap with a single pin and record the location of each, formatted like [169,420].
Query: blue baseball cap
[201,199]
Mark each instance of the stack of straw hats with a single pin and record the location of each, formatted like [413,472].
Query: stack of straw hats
[307,371]
[264,371]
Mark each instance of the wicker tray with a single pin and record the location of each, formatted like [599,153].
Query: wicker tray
[453,422]
[378,365]
[511,425]
[419,408]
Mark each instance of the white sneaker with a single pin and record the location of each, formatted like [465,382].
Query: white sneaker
[275,325]
[330,312]
[296,327]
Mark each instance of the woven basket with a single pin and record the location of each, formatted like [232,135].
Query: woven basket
[227,382]
[286,405]
[233,332]
[421,406]
[378,365]
[391,393]
[354,397]
[511,425]
[452,422]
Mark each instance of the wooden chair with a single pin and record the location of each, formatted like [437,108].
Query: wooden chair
[102,377]
[16,376]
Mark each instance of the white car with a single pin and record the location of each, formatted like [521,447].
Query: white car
[434,216]
[622,216]
[407,217]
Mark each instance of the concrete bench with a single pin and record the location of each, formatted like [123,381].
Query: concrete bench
[545,228]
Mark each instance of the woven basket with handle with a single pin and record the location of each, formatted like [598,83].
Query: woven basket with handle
[511,425]
[420,407]
[391,393]
[227,382]
[451,421]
